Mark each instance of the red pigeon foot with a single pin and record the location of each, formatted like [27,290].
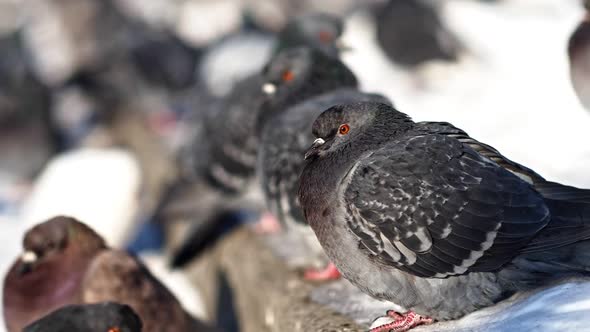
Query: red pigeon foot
[396,322]
[267,224]
[330,272]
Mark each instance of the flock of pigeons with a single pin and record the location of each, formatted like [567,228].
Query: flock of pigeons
[416,213]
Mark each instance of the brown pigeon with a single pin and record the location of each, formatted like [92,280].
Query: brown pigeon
[65,262]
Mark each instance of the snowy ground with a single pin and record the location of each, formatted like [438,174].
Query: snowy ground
[560,308]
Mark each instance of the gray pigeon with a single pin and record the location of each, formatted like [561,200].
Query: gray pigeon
[99,317]
[423,215]
[283,142]
[65,262]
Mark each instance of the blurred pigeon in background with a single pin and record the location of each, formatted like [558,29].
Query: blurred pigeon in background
[411,33]
[28,137]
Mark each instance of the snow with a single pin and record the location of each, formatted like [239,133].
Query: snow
[100,187]
[560,308]
[563,307]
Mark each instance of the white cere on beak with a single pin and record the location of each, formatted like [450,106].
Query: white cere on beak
[269,88]
[318,141]
[29,257]
[342,46]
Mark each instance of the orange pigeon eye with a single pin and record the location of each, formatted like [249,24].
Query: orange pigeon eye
[344,129]
[288,76]
[325,36]
[114,329]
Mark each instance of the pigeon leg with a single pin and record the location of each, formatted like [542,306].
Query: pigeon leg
[330,272]
[396,322]
[267,224]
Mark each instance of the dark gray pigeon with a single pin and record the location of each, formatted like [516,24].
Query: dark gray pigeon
[411,32]
[283,142]
[65,262]
[423,215]
[99,317]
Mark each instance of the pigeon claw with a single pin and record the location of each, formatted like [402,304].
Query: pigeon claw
[328,273]
[396,322]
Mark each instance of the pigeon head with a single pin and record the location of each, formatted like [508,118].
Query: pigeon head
[299,73]
[99,317]
[366,123]
[319,31]
[47,241]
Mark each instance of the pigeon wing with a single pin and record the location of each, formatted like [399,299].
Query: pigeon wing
[432,206]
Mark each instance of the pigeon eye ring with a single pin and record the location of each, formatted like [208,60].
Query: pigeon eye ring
[344,129]
[288,76]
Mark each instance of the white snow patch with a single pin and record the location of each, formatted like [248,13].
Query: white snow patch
[99,187]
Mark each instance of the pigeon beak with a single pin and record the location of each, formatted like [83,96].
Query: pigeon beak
[28,259]
[313,149]
[269,88]
[342,46]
